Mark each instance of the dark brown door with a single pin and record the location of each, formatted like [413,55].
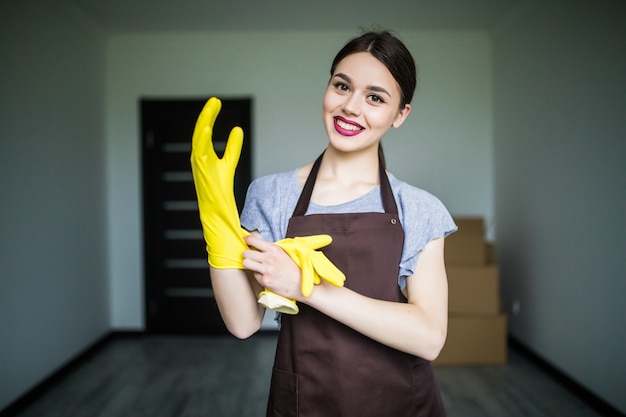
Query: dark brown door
[179,298]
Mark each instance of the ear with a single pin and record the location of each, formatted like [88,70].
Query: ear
[401,116]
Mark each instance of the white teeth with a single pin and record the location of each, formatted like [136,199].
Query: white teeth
[347,126]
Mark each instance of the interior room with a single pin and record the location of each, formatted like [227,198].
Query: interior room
[518,120]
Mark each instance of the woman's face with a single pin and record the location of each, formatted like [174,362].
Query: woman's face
[361,103]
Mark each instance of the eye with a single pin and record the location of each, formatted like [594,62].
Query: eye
[341,86]
[376,98]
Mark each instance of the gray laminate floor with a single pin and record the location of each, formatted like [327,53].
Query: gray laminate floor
[220,376]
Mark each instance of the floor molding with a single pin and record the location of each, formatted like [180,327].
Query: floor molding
[566,381]
[31,395]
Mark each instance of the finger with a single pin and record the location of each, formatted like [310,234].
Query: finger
[210,111]
[252,264]
[204,144]
[208,114]
[307,279]
[327,270]
[204,125]
[233,147]
[315,241]
[290,245]
[259,243]
[253,255]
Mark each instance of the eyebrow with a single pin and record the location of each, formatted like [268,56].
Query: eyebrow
[369,87]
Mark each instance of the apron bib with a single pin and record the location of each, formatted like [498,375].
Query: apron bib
[326,369]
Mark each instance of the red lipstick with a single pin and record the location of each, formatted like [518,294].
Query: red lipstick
[346,127]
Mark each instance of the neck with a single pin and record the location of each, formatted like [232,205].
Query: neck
[349,167]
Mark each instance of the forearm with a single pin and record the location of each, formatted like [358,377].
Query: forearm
[402,326]
[236,295]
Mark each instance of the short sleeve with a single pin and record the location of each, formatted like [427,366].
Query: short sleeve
[424,218]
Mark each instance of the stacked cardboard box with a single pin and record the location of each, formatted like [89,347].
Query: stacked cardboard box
[476,327]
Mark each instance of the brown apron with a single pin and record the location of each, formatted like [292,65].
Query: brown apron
[326,369]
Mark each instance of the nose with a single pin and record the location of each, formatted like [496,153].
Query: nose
[352,105]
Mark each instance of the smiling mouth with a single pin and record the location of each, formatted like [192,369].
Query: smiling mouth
[347,128]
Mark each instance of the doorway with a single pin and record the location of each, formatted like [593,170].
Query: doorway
[179,297]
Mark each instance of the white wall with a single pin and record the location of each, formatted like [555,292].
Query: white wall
[444,147]
[560,154]
[54,299]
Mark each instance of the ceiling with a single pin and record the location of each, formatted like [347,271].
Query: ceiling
[202,15]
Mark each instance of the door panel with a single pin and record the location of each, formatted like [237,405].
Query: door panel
[179,298]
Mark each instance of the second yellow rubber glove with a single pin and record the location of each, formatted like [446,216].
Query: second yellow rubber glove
[314,265]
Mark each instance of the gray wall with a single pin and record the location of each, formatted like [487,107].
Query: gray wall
[54,295]
[560,158]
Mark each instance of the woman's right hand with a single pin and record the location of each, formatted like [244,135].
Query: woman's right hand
[273,268]
[313,264]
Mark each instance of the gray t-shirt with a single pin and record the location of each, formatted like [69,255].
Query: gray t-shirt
[272,199]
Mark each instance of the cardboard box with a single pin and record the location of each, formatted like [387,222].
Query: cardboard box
[465,249]
[466,246]
[470,225]
[475,341]
[473,289]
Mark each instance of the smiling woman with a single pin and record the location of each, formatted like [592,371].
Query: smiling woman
[356,347]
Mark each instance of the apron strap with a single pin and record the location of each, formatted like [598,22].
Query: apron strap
[389,202]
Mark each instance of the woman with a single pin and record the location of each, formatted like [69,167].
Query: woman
[362,349]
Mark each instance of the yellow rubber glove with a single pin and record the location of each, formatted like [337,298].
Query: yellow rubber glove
[223,234]
[314,265]
[214,181]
